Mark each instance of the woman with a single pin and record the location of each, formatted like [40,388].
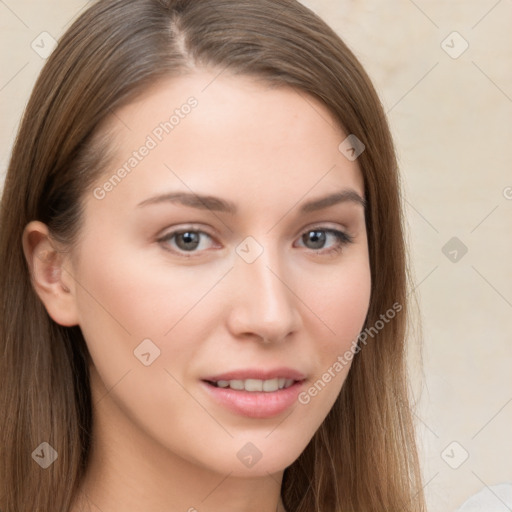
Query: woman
[203,271]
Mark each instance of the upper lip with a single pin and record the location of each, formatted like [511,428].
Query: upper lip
[258,373]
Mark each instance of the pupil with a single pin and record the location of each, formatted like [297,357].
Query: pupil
[189,238]
[317,237]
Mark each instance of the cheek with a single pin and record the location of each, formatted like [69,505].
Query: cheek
[123,301]
[143,296]
[342,303]
[341,307]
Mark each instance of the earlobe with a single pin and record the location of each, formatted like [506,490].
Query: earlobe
[51,281]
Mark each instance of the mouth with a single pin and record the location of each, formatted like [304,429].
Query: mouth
[255,393]
[255,385]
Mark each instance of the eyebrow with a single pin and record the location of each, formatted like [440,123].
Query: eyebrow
[206,202]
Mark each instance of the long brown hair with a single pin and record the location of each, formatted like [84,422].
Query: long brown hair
[363,457]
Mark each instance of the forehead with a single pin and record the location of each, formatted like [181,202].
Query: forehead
[207,132]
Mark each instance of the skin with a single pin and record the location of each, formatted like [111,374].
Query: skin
[160,442]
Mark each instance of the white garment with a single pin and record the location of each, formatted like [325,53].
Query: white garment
[495,498]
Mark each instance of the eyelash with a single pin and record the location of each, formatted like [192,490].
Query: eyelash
[343,239]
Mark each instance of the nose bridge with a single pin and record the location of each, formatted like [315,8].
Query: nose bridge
[267,306]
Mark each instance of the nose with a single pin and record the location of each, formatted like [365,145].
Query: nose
[263,304]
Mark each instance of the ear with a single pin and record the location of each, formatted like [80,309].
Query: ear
[53,284]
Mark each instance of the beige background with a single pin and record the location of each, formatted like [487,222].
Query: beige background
[452,123]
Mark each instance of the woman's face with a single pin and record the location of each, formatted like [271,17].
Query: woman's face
[247,286]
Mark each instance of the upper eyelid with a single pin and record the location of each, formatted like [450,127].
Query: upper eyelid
[319,226]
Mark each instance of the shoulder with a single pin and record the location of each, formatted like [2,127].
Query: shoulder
[494,498]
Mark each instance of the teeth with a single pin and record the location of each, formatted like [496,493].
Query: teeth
[270,385]
[256,384]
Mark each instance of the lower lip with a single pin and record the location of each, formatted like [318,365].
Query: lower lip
[255,404]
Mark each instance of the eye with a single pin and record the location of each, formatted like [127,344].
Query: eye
[318,236]
[186,240]
[190,240]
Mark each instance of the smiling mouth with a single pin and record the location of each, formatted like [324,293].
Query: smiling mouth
[255,385]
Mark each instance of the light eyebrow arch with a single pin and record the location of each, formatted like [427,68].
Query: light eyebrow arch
[343,196]
[204,202]
[207,202]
